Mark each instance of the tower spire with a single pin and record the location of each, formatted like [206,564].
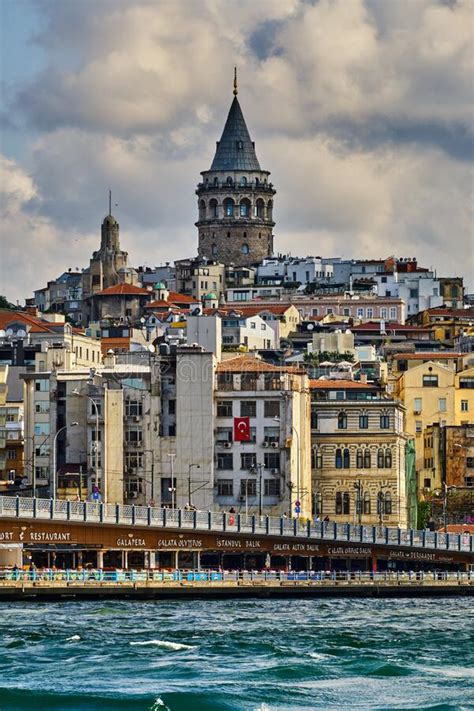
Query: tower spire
[110,202]
[236,91]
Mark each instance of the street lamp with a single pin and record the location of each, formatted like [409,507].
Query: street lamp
[55,440]
[96,448]
[298,493]
[172,488]
[198,466]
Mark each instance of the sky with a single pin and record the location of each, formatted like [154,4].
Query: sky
[361,109]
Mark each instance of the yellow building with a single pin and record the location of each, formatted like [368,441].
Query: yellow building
[447,323]
[464,397]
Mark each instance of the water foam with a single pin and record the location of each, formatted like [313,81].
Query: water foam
[159,705]
[74,638]
[175,646]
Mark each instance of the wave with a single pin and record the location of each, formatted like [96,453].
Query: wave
[74,638]
[175,646]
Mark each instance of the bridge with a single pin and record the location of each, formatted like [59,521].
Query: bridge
[67,533]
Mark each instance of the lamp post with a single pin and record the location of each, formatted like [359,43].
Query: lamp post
[55,440]
[96,447]
[298,491]
[172,488]
[198,466]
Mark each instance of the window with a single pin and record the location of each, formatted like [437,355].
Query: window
[248,460]
[245,249]
[314,420]
[224,434]
[11,454]
[383,280]
[360,312]
[271,408]
[370,313]
[271,487]
[244,208]
[134,436]
[224,408]
[316,458]
[213,208]
[466,382]
[388,503]
[248,408]
[253,324]
[172,407]
[418,426]
[366,503]
[271,460]
[430,381]
[43,450]
[342,421]
[470,462]
[225,460]
[42,428]
[464,405]
[42,386]
[338,459]
[380,459]
[388,459]
[248,487]
[42,407]
[359,459]
[363,422]
[317,503]
[367,459]
[229,207]
[384,422]
[96,435]
[133,408]
[442,404]
[469,481]
[417,404]
[346,459]
[343,503]
[225,487]
[427,483]
[393,313]
[134,460]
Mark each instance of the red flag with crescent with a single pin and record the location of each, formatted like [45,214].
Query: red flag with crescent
[241,429]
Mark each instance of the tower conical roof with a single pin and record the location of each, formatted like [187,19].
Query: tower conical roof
[235,150]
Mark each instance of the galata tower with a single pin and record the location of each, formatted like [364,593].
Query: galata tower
[235,198]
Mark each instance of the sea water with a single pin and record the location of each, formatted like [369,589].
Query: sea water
[234,655]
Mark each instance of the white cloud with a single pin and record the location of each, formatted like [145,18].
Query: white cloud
[361,110]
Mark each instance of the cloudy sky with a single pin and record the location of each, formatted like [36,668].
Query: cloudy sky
[361,109]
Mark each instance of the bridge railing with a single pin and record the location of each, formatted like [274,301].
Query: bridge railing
[94,511]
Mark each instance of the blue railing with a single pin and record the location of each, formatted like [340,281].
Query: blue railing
[205,521]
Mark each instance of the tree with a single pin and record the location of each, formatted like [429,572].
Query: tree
[5,304]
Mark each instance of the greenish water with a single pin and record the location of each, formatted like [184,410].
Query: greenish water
[231,655]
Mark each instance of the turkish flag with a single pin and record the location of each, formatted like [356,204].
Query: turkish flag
[241,429]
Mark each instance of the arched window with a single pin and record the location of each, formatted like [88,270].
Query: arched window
[346,459]
[216,181]
[367,459]
[245,248]
[359,459]
[388,459]
[213,208]
[243,180]
[245,207]
[338,460]
[380,503]
[367,503]
[257,181]
[228,234]
[230,181]
[317,503]
[270,210]
[380,459]
[342,421]
[229,207]
[214,250]
[346,503]
[202,210]
[339,503]
[388,503]
[319,458]
[245,235]
[260,208]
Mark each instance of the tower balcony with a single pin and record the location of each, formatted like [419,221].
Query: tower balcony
[235,186]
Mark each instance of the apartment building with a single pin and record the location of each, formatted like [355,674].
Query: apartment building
[268,470]
[358,444]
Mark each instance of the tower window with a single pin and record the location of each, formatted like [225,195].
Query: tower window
[244,208]
[228,234]
[213,208]
[214,250]
[229,181]
[245,248]
[216,181]
[243,180]
[229,207]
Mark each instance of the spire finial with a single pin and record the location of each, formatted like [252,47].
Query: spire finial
[110,202]
[236,91]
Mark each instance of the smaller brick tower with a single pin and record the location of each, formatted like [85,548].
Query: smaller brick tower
[235,198]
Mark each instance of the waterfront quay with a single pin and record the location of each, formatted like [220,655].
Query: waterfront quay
[85,584]
[50,533]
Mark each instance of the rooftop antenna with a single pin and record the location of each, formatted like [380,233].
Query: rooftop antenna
[236,91]
[110,202]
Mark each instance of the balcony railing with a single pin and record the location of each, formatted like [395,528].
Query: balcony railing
[130,515]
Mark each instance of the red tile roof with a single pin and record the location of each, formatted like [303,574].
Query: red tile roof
[124,290]
[427,356]
[249,364]
[35,324]
[177,298]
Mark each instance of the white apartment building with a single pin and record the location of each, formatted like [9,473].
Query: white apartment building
[278,270]
[419,290]
[268,472]
[251,332]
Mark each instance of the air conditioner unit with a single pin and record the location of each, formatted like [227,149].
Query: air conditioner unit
[133,495]
[130,470]
[241,498]
[265,444]
[137,444]
[136,418]
[227,445]
[417,412]
[275,445]
[275,471]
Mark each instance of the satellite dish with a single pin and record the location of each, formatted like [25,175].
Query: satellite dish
[310,326]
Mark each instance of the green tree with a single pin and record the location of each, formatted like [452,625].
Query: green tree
[5,304]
